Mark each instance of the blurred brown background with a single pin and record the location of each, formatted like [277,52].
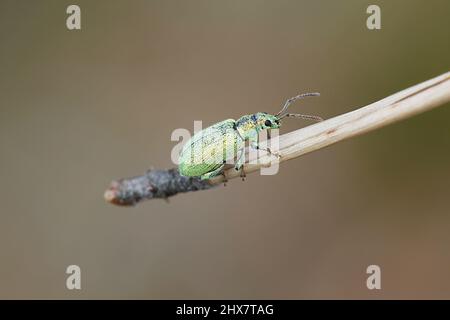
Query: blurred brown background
[80,108]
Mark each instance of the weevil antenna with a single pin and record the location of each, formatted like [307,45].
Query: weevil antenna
[301,116]
[290,100]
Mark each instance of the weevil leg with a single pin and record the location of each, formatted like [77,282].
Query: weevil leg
[240,167]
[276,154]
[240,163]
[243,175]
[256,146]
[215,173]
[225,179]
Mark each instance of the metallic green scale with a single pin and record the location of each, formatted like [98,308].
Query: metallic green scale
[206,153]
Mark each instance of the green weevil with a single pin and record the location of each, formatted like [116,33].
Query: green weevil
[207,152]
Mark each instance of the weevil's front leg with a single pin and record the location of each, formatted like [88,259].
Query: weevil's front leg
[254,143]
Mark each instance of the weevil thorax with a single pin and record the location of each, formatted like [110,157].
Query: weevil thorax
[249,124]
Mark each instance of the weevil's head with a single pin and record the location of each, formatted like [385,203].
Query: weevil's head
[265,121]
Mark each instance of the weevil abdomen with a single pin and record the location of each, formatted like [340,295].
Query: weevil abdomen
[208,149]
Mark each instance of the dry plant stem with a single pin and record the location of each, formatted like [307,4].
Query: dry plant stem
[404,104]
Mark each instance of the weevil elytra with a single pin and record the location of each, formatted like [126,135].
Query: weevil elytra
[206,153]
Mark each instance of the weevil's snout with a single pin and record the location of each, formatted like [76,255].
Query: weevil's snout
[275,124]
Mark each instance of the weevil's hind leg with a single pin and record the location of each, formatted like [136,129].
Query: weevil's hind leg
[212,174]
[225,179]
[240,167]
[219,171]
[256,146]
[268,150]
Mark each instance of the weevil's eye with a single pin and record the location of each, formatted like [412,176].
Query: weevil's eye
[268,123]
[277,122]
